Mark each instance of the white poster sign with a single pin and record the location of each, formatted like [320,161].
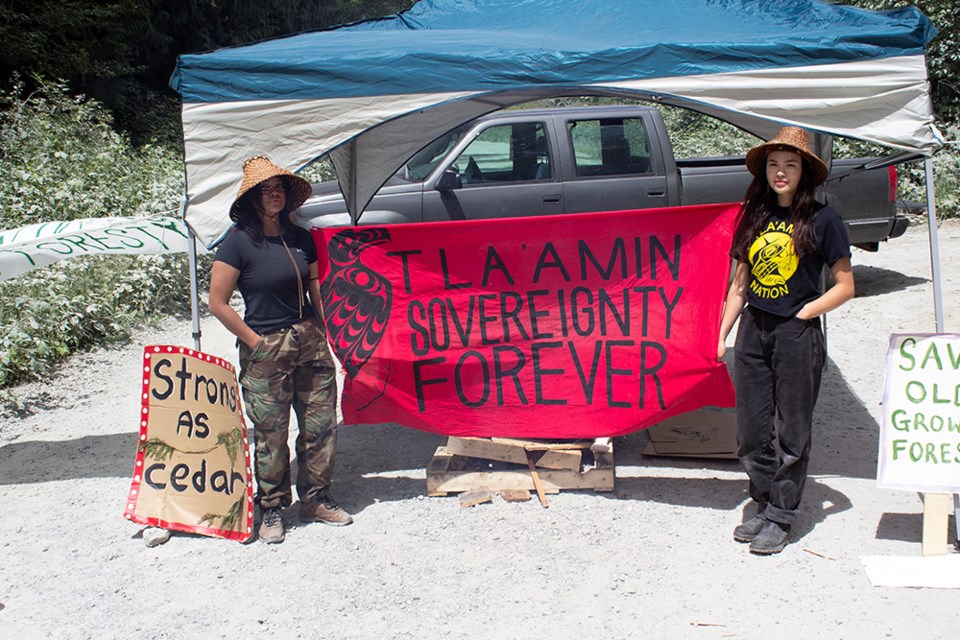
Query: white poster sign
[40,245]
[920,432]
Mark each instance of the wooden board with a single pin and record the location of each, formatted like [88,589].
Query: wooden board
[515,495]
[449,473]
[936,512]
[515,451]
[474,497]
[553,445]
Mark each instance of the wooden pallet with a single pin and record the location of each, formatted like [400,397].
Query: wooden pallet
[500,464]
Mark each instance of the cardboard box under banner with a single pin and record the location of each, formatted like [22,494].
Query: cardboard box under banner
[704,433]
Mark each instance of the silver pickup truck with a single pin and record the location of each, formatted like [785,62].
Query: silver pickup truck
[552,161]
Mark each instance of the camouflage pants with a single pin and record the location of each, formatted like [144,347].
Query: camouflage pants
[291,367]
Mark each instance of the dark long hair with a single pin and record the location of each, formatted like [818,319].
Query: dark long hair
[247,214]
[759,202]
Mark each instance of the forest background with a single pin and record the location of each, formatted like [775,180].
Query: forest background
[89,127]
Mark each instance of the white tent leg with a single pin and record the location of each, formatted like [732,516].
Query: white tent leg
[934,246]
[937,289]
[194,291]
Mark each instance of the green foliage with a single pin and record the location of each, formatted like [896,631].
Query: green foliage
[320,170]
[158,449]
[229,521]
[695,135]
[122,52]
[62,161]
[202,25]
[81,303]
[232,441]
[89,39]
[946,178]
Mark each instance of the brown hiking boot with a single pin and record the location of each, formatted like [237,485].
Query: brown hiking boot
[271,527]
[324,509]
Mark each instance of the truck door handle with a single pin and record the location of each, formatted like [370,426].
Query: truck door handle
[553,198]
[656,193]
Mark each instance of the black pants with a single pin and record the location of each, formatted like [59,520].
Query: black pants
[778,364]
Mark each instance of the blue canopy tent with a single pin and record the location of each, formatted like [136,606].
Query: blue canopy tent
[372,93]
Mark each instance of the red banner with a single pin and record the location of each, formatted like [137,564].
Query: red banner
[573,326]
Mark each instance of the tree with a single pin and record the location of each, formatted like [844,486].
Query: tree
[122,52]
[77,40]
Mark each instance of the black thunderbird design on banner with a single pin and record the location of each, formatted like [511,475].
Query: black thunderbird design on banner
[356,300]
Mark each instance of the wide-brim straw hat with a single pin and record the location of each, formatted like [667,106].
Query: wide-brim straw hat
[788,139]
[258,169]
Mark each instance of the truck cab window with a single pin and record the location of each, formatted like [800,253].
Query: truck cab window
[423,162]
[513,152]
[609,147]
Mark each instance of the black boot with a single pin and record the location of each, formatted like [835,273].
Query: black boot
[747,531]
[771,539]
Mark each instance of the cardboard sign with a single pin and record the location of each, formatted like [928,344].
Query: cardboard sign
[192,471]
[572,326]
[920,433]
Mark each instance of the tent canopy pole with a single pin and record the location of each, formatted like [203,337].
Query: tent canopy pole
[194,290]
[934,245]
[353,201]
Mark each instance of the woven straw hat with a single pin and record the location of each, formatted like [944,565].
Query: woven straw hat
[258,169]
[788,139]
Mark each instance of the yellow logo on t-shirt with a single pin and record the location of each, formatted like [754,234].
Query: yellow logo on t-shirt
[773,260]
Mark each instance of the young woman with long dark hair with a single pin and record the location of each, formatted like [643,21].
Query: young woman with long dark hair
[782,241]
[284,359]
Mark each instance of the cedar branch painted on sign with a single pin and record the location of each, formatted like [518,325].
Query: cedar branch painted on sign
[230,440]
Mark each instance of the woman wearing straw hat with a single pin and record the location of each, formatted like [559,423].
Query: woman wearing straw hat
[782,241]
[284,360]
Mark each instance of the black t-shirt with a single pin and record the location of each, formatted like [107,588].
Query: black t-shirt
[780,283]
[268,282]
